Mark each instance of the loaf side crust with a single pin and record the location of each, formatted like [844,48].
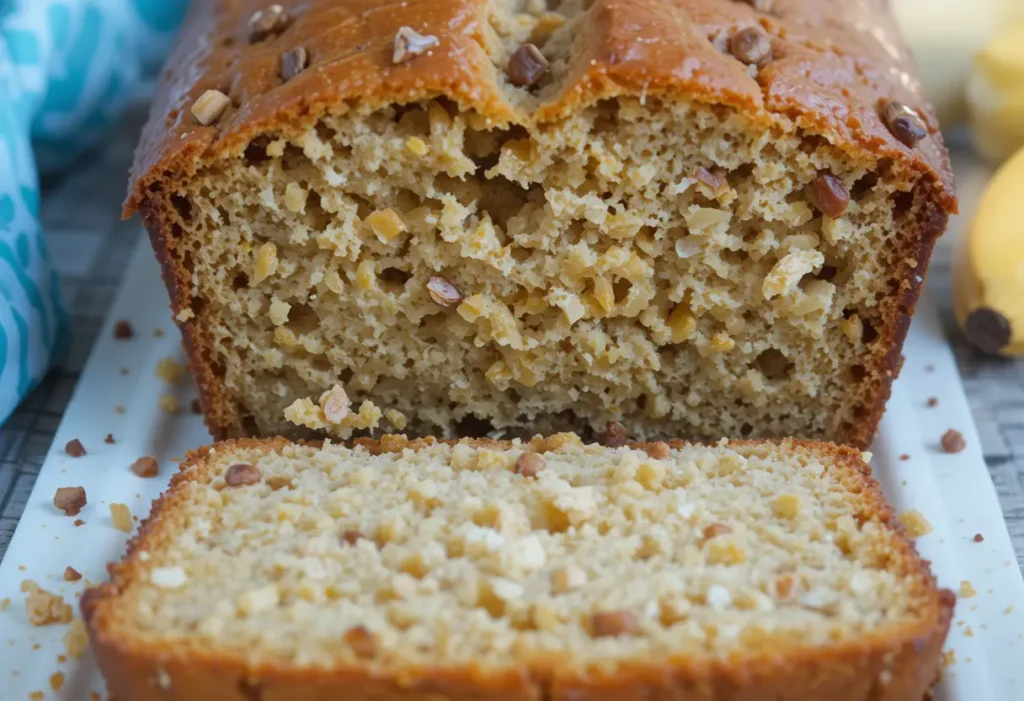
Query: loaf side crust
[895,665]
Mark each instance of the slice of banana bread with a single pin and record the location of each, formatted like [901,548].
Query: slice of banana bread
[549,569]
[697,217]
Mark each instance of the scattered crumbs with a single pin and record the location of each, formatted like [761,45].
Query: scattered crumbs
[933,402]
[905,457]
[74,448]
[960,623]
[61,659]
[124,371]
[57,681]
[169,404]
[915,523]
[158,333]
[21,568]
[978,537]
[5,604]
[953,441]
[44,607]
[109,438]
[36,696]
[76,640]
[169,370]
[967,590]
[948,658]
[969,632]
[123,330]
[1008,610]
[71,574]
[118,409]
[929,368]
[121,517]
[79,522]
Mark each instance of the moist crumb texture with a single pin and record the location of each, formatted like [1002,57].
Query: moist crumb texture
[405,556]
[548,254]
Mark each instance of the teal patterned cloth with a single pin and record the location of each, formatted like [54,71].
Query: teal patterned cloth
[67,70]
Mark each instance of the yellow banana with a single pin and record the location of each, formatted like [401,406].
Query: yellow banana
[995,95]
[988,271]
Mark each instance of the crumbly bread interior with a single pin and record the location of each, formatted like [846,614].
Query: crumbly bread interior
[455,555]
[597,275]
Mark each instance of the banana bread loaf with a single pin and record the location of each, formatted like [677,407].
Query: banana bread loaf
[541,570]
[696,217]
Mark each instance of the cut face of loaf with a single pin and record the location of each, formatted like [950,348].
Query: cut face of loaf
[524,570]
[669,238]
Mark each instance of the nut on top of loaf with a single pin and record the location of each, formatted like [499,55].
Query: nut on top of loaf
[545,216]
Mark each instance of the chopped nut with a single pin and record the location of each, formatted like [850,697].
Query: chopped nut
[293,62]
[529,464]
[265,23]
[526,66]
[242,474]
[953,441]
[410,44]
[74,448]
[611,623]
[146,466]
[123,330]
[829,195]
[386,224]
[568,578]
[715,530]
[109,438]
[121,517]
[711,182]
[915,523]
[336,404]
[443,292]
[967,590]
[169,404]
[903,122]
[362,642]
[352,537]
[168,577]
[658,450]
[169,370]
[70,500]
[210,106]
[44,607]
[978,537]
[71,574]
[751,46]
[787,506]
[614,435]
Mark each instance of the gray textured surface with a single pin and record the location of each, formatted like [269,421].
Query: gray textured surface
[90,247]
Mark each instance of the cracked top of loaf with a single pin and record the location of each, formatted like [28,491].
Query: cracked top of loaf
[832,64]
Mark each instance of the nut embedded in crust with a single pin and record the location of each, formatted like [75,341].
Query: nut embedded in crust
[526,66]
[751,46]
[70,500]
[294,62]
[265,23]
[362,642]
[529,464]
[210,106]
[409,44]
[903,122]
[829,195]
[611,623]
[74,448]
[953,441]
[715,530]
[242,474]
[442,291]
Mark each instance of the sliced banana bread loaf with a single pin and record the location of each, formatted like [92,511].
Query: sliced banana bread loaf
[706,217]
[550,569]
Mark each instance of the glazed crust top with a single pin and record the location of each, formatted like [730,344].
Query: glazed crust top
[832,62]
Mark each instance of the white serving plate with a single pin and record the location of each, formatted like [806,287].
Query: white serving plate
[954,492]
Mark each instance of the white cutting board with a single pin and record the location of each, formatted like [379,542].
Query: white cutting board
[954,492]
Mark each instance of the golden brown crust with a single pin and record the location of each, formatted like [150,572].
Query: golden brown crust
[899,665]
